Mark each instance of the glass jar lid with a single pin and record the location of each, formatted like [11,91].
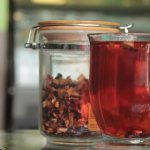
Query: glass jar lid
[77,25]
[69,29]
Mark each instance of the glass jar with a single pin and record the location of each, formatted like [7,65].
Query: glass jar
[66,117]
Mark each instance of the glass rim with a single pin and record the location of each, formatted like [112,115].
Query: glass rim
[121,33]
[108,37]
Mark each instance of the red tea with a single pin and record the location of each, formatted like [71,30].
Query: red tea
[120,87]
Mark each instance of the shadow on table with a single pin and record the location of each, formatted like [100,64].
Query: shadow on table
[55,147]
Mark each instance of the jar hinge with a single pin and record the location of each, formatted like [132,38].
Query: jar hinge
[126,27]
[31,42]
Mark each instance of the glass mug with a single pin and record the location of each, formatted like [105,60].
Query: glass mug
[120,85]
